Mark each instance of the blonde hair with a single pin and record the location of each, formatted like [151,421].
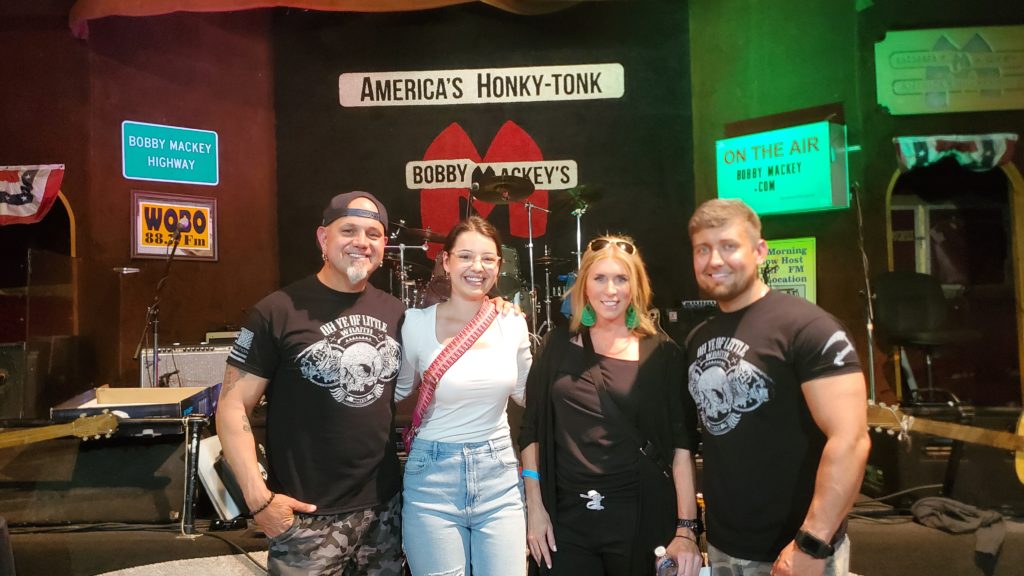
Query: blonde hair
[639,283]
[720,212]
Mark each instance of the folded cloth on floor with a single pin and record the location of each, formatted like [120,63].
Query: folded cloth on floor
[959,518]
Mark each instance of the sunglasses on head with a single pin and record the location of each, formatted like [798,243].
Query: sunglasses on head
[602,243]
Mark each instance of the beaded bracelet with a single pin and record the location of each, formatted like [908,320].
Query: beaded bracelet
[265,504]
[531,474]
[685,536]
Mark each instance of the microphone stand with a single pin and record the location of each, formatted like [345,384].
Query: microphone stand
[869,311]
[153,315]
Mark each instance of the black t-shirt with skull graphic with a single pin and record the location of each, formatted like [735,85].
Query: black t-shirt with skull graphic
[331,358]
[761,446]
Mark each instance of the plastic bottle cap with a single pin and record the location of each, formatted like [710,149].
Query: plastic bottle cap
[660,551]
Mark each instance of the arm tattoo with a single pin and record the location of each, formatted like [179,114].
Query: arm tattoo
[245,424]
[231,377]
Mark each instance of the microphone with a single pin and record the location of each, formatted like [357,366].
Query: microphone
[183,226]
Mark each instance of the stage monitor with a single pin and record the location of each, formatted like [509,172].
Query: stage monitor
[795,169]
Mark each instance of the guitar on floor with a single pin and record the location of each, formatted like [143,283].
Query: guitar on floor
[892,418]
[84,427]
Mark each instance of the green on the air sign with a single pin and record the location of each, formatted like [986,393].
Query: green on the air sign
[169,154]
[795,169]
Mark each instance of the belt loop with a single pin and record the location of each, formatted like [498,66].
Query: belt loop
[433,451]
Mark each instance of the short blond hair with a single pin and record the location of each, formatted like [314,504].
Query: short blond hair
[639,283]
[720,212]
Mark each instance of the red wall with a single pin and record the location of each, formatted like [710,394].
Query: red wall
[69,97]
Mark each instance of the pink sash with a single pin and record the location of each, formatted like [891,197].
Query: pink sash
[451,353]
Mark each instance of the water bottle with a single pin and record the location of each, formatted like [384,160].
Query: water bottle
[664,563]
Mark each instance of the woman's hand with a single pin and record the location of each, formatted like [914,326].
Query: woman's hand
[685,551]
[540,535]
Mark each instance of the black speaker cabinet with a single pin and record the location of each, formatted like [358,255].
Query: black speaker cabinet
[19,381]
[136,480]
[184,366]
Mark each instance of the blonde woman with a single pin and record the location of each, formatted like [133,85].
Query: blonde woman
[607,462]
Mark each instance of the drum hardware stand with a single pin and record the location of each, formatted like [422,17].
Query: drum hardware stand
[192,424]
[402,277]
[529,232]
[578,213]
[548,324]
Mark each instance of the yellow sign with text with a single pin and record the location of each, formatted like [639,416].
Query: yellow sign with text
[158,221]
[791,267]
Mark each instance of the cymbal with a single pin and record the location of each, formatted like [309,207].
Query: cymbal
[578,198]
[425,233]
[503,189]
[393,259]
[548,260]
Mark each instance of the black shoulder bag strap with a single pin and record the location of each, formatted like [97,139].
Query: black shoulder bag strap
[647,448]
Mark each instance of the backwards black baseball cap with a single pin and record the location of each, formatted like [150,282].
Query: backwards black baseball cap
[338,207]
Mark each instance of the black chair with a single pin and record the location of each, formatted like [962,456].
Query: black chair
[911,311]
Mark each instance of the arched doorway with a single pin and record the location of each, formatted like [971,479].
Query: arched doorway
[39,346]
[967,228]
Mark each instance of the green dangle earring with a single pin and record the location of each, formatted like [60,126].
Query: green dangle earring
[588,318]
[631,319]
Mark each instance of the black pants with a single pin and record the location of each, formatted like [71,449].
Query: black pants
[596,542]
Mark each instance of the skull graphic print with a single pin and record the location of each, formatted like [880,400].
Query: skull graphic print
[725,386]
[354,361]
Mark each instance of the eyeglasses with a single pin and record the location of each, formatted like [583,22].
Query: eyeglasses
[602,243]
[486,260]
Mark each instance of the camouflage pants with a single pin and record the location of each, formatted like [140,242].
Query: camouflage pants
[363,542]
[724,565]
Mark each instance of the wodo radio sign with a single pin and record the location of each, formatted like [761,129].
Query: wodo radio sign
[162,222]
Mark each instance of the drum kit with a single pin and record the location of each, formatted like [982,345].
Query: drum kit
[419,285]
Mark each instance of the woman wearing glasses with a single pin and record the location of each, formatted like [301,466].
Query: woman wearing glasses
[462,503]
[605,437]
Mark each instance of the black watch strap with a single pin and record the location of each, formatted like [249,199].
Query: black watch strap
[812,545]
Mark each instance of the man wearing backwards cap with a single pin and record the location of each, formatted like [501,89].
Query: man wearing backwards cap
[325,352]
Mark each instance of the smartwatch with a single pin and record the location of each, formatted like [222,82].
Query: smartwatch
[812,545]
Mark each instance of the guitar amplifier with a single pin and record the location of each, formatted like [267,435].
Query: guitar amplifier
[184,366]
[978,475]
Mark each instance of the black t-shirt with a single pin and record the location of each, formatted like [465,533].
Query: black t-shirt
[761,446]
[331,359]
[594,447]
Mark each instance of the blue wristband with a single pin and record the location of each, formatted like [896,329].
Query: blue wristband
[531,474]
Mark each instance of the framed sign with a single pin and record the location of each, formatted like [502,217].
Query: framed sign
[158,219]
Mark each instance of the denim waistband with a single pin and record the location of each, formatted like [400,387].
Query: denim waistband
[436,448]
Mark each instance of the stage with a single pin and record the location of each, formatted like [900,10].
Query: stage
[886,546]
